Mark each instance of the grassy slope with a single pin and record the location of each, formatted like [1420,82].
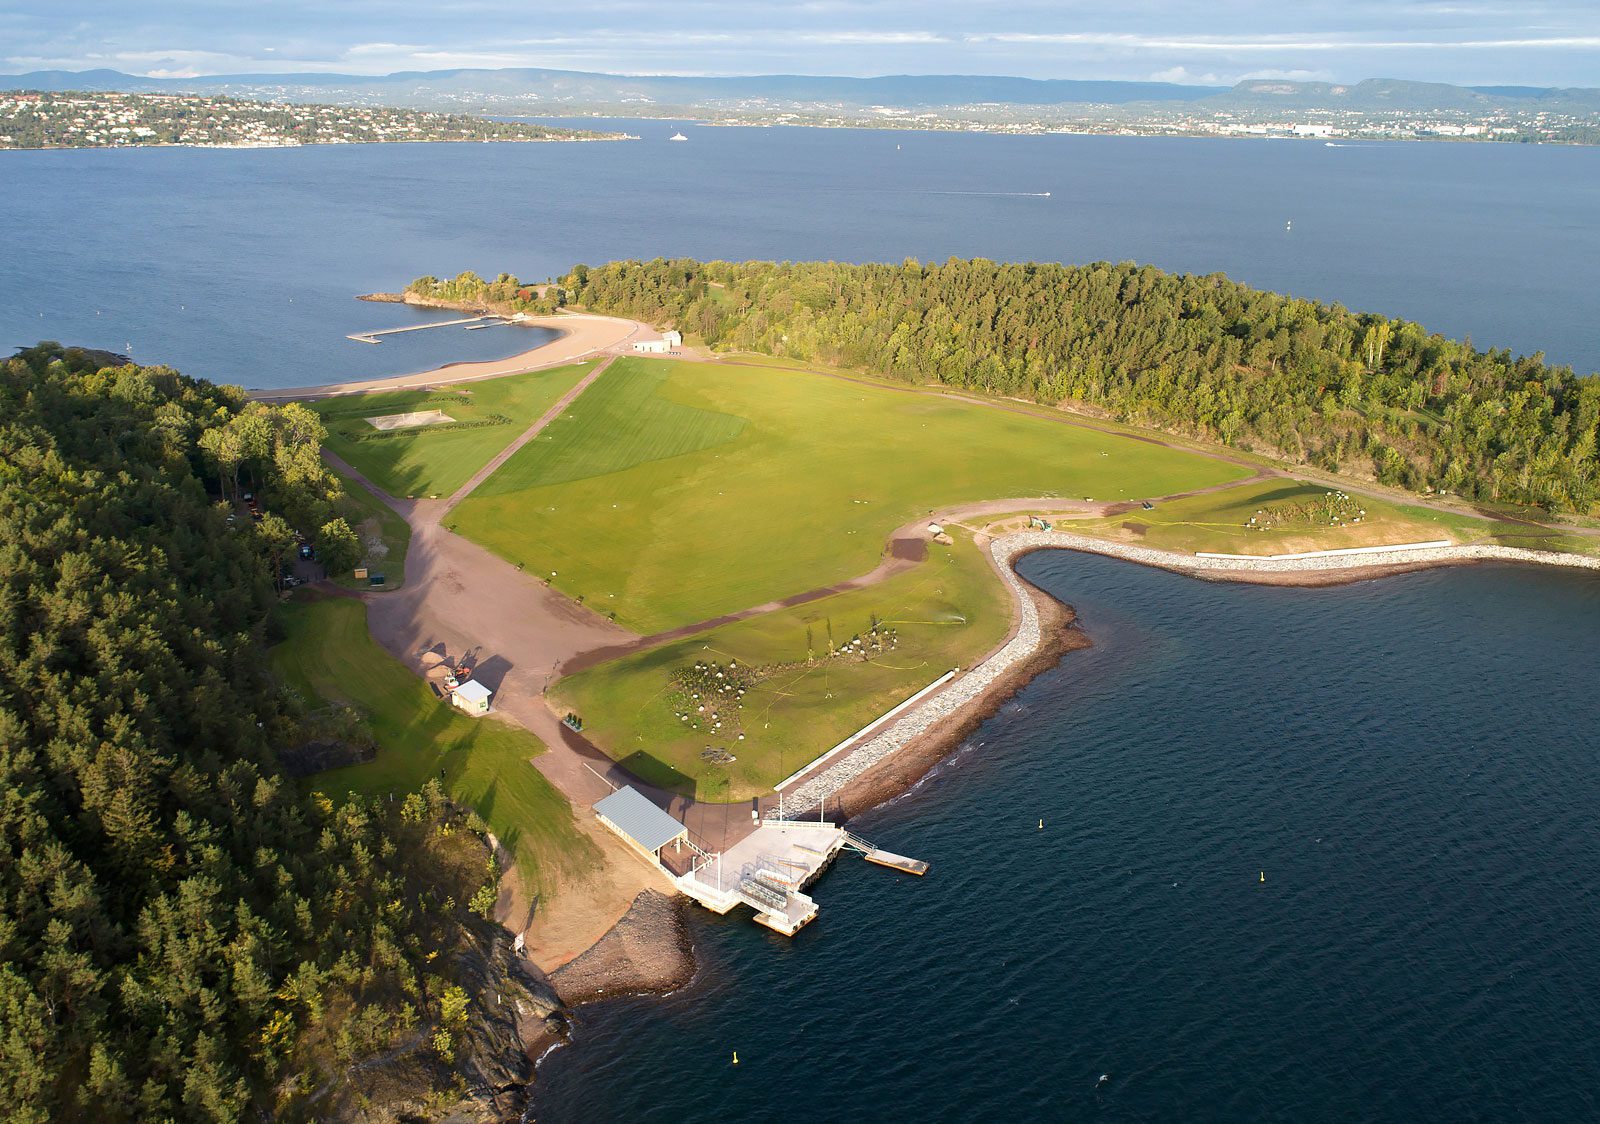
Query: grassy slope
[367,515]
[427,461]
[329,655]
[803,494]
[949,611]
[1217,522]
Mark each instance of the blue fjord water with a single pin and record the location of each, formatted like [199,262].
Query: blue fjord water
[1410,762]
[240,265]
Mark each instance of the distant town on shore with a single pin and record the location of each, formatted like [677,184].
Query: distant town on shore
[1373,109]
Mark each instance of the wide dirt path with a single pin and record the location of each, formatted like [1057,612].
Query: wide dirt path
[525,436]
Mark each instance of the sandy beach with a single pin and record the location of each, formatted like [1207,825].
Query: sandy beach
[582,336]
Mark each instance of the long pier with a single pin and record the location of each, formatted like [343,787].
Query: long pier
[372,337]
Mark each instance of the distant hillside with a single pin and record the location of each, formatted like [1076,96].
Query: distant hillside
[1397,94]
[571,88]
[928,100]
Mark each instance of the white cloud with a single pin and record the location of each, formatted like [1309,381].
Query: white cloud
[1203,44]
[1289,75]
[1183,76]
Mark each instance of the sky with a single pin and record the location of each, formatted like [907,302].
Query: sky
[1470,42]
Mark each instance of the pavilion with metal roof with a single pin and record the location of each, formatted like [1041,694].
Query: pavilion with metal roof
[641,824]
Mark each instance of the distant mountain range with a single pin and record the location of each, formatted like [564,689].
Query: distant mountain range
[563,91]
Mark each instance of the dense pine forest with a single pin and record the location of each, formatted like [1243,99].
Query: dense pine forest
[1200,356]
[184,934]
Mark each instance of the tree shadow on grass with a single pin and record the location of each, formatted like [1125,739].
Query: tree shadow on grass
[656,772]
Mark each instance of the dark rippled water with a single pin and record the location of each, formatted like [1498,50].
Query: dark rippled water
[1413,763]
[240,265]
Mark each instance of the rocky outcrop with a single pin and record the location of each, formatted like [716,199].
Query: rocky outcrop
[647,952]
[513,1017]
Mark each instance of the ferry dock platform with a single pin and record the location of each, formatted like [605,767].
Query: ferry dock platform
[768,870]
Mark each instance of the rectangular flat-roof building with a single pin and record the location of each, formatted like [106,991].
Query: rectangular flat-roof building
[472,697]
[641,824]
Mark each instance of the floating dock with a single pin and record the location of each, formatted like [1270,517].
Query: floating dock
[897,862]
[874,854]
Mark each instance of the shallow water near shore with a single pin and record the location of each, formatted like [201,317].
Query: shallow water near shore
[1412,763]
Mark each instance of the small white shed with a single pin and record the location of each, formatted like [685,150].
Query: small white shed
[472,697]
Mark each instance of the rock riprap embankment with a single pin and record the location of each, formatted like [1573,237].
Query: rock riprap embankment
[964,690]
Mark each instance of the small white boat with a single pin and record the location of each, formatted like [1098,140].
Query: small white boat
[678,137]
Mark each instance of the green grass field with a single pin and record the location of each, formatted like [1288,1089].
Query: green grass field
[947,612]
[487,764]
[384,536]
[431,460]
[746,484]
[1220,522]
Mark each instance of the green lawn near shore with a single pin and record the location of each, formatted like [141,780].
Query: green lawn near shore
[799,700]
[437,459]
[1276,516]
[673,492]
[329,658]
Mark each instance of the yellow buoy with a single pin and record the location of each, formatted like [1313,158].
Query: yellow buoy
[736,1057]
[1263,876]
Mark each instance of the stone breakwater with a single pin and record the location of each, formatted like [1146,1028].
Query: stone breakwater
[1025,641]
[958,694]
[1191,564]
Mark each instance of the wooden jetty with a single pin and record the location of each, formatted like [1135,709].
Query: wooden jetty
[372,337]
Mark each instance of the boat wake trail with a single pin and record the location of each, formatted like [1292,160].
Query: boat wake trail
[996,194]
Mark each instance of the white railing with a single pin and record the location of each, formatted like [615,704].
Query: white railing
[878,721]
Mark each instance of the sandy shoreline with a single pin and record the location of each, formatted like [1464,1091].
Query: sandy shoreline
[581,336]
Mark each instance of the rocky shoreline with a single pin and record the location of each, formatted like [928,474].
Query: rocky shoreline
[896,758]
[649,952]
